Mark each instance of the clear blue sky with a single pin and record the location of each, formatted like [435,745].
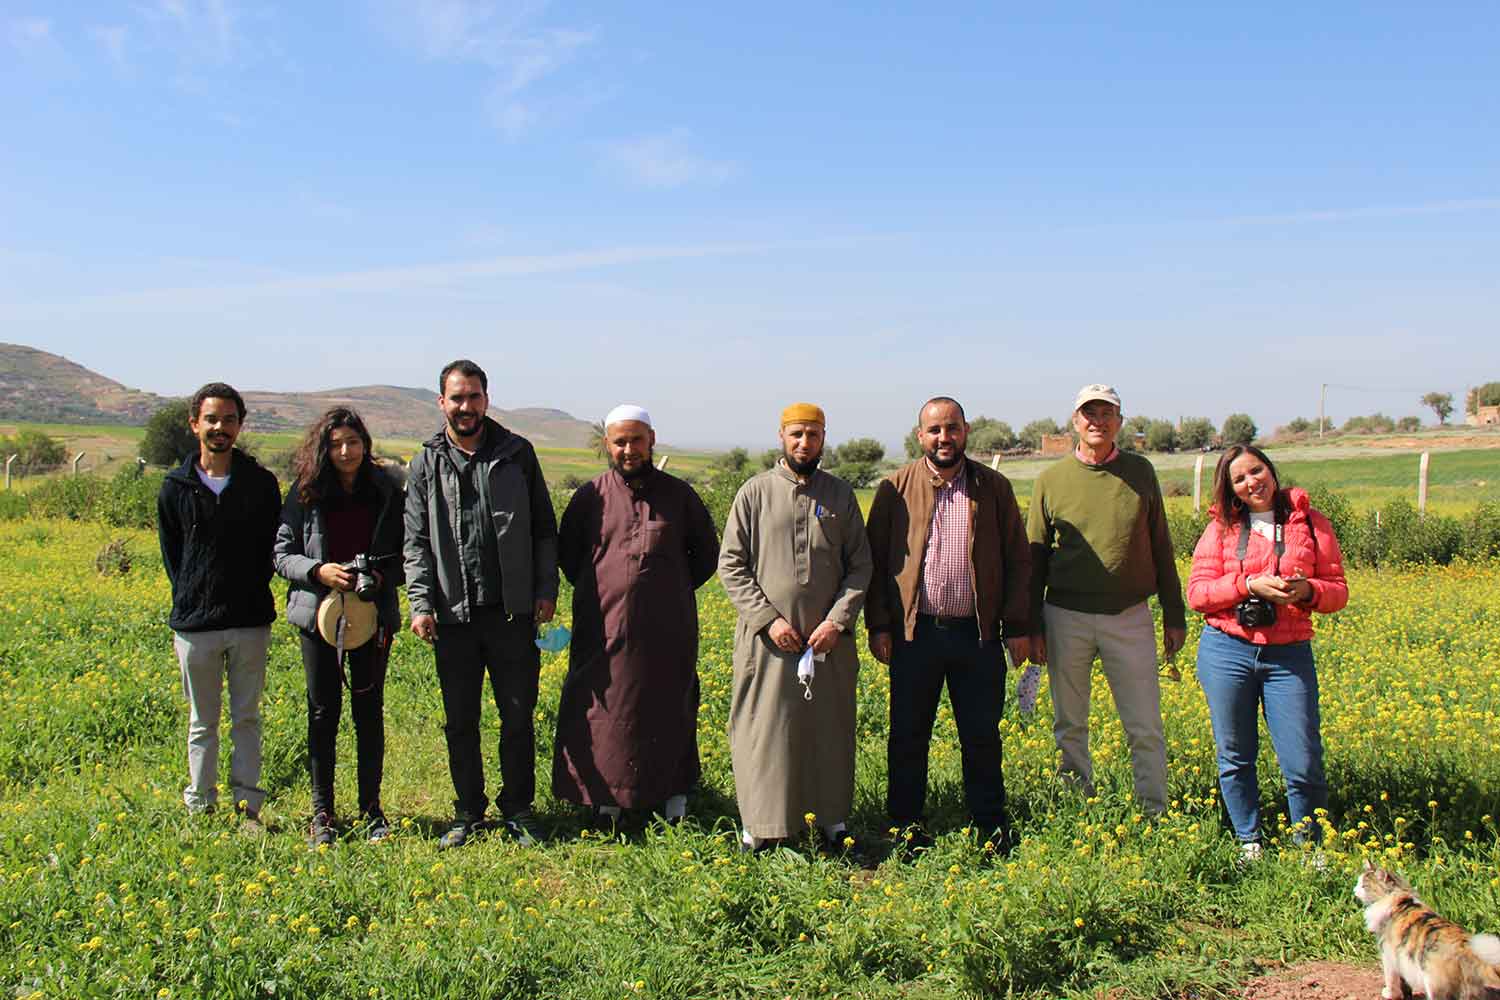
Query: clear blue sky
[715,209]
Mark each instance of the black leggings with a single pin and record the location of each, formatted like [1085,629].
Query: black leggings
[325,695]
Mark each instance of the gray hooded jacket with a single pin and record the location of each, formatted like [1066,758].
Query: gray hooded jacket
[520,514]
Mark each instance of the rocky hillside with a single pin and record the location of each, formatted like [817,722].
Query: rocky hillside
[39,387]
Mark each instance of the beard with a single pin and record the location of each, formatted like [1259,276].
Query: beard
[945,463]
[453,423]
[640,470]
[218,444]
[802,468]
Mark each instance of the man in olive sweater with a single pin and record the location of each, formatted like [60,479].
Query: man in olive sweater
[1099,549]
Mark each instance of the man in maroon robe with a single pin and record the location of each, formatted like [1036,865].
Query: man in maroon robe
[635,543]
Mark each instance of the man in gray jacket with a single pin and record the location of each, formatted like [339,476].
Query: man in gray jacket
[481,574]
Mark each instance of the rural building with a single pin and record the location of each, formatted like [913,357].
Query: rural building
[1487,416]
[1056,444]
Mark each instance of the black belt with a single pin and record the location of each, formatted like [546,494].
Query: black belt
[945,622]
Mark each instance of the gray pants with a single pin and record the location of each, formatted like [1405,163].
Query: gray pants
[206,658]
[1126,646]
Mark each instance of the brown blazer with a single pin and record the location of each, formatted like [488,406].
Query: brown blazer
[999,557]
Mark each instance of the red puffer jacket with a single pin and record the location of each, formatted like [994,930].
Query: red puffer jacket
[1217,582]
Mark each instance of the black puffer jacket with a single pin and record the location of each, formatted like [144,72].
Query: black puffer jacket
[217,550]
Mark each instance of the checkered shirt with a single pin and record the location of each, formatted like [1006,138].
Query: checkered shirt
[947,585]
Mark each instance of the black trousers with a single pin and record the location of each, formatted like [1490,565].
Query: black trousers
[506,649]
[325,695]
[975,675]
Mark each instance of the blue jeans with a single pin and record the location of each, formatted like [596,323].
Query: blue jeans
[1237,678]
[975,675]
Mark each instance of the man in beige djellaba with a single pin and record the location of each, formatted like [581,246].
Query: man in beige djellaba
[795,563]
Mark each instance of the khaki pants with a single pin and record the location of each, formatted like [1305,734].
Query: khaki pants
[1126,646]
[207,659]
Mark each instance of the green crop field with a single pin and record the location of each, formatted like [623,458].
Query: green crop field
[107,887]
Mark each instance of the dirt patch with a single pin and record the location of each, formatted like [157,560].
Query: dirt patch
[1318,980]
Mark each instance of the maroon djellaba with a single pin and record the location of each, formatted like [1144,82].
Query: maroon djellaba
[635,550]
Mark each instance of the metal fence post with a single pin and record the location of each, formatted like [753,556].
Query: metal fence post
[1198,484]
[8,462]
[76,459]
[663,463]
[1422,483]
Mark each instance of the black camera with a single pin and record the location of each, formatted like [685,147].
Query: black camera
[363,568]
[1254,612]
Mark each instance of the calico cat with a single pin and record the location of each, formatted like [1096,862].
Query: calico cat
[1419,949]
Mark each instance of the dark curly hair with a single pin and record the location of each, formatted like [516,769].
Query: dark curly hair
[315,474]
[1232,508]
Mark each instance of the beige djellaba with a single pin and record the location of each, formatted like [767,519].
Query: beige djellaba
[795,550]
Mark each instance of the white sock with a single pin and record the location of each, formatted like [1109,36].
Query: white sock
[676,807]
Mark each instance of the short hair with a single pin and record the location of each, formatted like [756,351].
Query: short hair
[217,390]
[942,399]
[1231,508]
[467,369]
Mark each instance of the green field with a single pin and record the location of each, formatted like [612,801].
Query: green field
[107,888]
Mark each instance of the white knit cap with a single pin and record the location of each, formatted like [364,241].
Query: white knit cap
[627,411]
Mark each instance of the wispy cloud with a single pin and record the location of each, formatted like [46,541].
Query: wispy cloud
[666,160]
[208,30]
[113,39]
[505,37]
[28,33]
[1367,212]
[377,281]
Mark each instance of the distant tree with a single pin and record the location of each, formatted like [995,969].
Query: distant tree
[1441,403]
[1031,434]
[168,439]
[34,451]
[597,443]
[1195,433]
[989,436]
[1482,395]
[1161,436]
[1133,433]
[912,445]
[735,460]
[1408,424]
[770,457]
[1238,429]
[860,450]
[1375,423]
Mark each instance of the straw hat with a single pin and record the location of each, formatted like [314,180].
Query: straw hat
[360,619]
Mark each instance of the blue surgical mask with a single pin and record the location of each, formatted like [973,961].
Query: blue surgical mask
[554,639]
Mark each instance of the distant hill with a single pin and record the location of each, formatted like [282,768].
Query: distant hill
[38,387]
[43,388]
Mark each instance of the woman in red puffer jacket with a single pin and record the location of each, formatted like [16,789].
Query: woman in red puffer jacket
[1265,563]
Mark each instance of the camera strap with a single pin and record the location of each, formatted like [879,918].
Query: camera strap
[1244,545]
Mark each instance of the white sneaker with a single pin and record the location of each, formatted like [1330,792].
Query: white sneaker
[1250,853]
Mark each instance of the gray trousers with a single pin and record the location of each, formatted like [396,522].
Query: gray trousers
[1126,646]
[206,658]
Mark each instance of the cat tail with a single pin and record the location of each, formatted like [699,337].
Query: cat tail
[1487,947]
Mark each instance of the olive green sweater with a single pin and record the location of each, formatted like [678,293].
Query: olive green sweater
[1099,540]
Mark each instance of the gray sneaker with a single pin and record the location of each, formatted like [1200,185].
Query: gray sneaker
[458,834]
[522,826]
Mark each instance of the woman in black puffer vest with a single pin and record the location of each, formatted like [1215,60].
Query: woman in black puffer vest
[341,505]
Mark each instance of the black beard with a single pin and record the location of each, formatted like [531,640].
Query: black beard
[457,432]
[218,447]
[945,463]
[638,471]
[803,468]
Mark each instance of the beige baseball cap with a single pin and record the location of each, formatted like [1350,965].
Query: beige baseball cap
[1096,391]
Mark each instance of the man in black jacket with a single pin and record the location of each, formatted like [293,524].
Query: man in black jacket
[217,515]
[481,574]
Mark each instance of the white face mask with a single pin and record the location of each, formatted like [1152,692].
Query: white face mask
[806,669]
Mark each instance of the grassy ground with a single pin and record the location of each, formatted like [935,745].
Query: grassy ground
[108,889]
